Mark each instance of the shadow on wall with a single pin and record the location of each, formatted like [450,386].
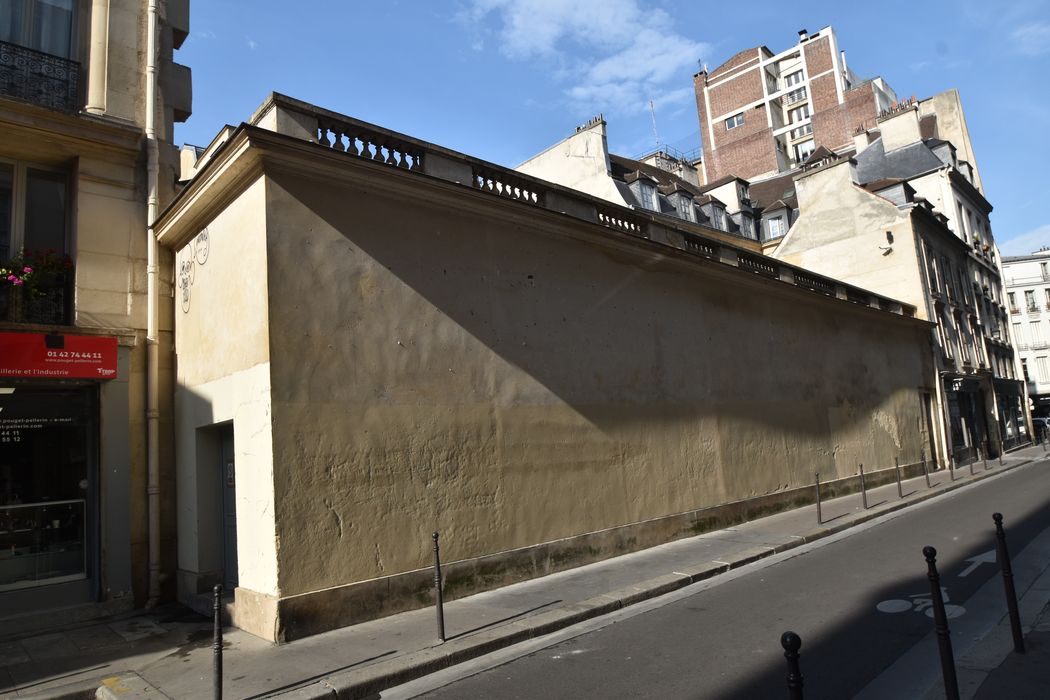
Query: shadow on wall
[626,341]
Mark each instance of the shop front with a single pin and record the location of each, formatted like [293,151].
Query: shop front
[51,389]
[965,396]
[1013,426]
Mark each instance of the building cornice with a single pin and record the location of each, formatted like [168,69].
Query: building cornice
[75,133]
[548,209]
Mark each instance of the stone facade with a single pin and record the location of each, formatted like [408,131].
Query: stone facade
[84,126]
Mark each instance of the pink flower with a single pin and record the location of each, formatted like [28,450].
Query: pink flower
[17,282]
[11,278]
[27,270]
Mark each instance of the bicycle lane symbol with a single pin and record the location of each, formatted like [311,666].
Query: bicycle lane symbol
[920,603]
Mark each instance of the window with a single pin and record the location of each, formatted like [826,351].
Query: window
[793,79]
[798,114]
[33,209]
[802,131]
[1012,300]
[1017,334]
[775,227]
[1024,369]
[685,208]
[1041,370]
[803,150]
[747,226]
[648,195]
[718,218]
[43,25]
[1046,293]
[734,121]
[1029,300]
[1046,276]
[962,221]
[1036,331]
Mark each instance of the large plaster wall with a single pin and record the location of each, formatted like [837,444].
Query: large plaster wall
[842,231]
[224,376]
[459,367]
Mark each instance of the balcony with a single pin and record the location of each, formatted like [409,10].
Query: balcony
[47,303]
[39,78]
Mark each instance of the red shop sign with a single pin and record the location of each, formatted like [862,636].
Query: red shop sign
[42,356]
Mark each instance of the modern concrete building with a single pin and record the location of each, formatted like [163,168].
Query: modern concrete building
[378,338]
[1028,299]
[904,217]
[89,92]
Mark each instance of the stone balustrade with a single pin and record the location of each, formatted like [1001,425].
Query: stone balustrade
[419,158]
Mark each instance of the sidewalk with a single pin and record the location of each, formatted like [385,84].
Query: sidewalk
[167,653]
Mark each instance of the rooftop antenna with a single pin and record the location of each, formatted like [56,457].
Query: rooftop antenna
[656,136]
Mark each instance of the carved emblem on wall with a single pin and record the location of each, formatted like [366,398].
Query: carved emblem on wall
[195,253]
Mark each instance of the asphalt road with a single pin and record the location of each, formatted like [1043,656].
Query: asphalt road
[724,641]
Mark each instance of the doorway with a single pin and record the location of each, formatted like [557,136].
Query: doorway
[228,489]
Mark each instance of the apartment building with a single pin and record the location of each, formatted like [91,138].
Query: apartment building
[1028,298]
[763,113]
[89,92]
[904,217]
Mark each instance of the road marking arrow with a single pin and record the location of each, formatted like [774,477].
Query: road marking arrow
[986,558]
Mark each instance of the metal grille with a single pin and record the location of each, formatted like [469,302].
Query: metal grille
[38,78]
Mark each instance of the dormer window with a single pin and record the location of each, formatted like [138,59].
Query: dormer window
[648,192]
[734,121]
[684,205]
[718,218]
[775,227]
[747,226]
[741,192]
[42,25]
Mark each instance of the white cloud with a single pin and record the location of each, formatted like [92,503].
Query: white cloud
[1032,39]
[252,44]
[1026,243]
[616,54]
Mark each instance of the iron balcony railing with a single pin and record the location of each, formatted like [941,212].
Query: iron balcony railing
[44,304]
[38,78]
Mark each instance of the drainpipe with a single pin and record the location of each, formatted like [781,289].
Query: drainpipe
[152,349]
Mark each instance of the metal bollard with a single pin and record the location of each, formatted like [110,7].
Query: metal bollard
[863,488]
[792,643]
[217,642]
[438,595]
[951,467]
[1003,555]
[925,470]
[897,469]
[1001,450]
[974,460]
[820,520]
[984,454]
[940,622]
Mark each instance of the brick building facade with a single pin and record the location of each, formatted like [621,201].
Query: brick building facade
[763,113]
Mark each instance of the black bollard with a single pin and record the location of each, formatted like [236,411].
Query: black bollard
[1001,450]
[940,622]
[1003,555]
[984,454]
[820,520]
[974,460]
[925,470]
[897,469]
[217,642]
[863,488]
[792,643]
[438,596]
[951,467]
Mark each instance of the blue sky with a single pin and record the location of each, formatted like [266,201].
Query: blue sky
[504,79]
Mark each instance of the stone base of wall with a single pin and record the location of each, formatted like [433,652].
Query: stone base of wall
[287,619]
